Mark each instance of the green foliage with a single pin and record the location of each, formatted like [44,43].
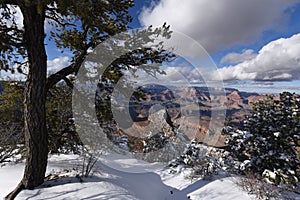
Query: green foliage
[61,127]
[11,49]
[81,21]
[11,122]
[77,25]
[268,145]
[11,101]
[11,109]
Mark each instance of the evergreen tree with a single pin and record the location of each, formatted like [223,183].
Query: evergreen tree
[11,102]
[268,144]
[63,137]
[78,25]
[11,121]
[60,123]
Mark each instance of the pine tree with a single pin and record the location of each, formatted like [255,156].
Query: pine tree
[78,26]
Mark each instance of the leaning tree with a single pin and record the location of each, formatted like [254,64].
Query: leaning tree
[76,25]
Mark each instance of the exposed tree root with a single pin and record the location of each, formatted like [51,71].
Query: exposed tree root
[15,192]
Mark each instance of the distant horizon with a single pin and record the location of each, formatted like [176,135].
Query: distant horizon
[262,90]
[259,52]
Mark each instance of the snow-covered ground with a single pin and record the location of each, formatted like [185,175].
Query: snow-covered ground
[119,177]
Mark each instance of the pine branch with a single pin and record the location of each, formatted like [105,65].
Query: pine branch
[63,73]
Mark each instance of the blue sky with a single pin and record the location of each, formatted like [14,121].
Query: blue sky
[255,44]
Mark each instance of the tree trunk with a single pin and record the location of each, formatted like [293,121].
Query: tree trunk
[36,136]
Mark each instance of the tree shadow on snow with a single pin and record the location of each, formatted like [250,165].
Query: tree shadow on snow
[121,185]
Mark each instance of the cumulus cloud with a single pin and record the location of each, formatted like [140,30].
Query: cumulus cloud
[277,61]
[183,74]
[218,24]
[57,64]
[234,58]
[177,73]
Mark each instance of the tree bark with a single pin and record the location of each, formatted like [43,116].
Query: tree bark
[36,136]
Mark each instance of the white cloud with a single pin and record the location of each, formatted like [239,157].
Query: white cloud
[183,74]
[57,64]
[52,67]
[277,61]
[234,58]
[175,75]
[218,24]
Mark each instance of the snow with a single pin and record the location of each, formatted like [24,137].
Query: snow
[222,189]
[120,177]
[269,174]
[276,134]
[9,177]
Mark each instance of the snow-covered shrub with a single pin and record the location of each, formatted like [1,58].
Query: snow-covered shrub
[164,146]
[262,190]
[267,146]
[163,141]
[155,142]
[203,160]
